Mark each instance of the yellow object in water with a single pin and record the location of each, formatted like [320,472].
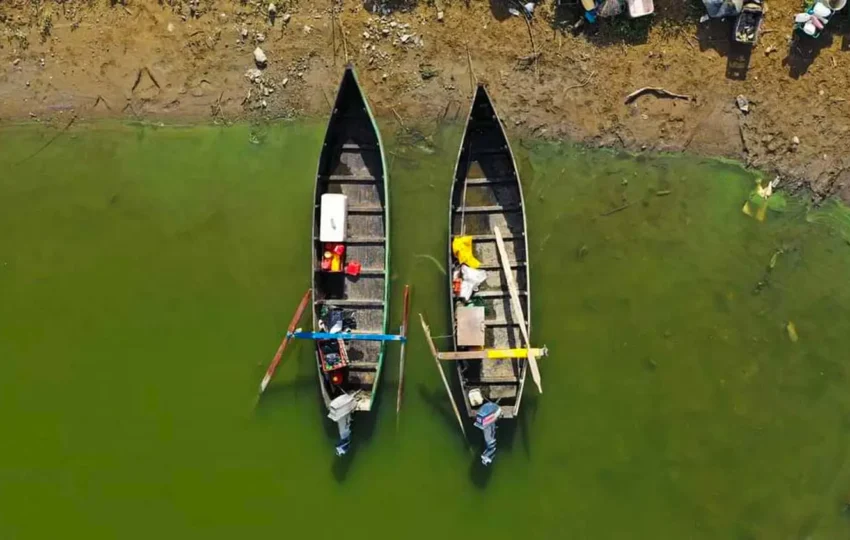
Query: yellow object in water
[792,332]
[759,214]
[462,250]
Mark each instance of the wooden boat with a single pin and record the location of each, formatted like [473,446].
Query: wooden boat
[352,163]
[486,194]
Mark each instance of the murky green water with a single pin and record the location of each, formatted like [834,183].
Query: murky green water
[146,277]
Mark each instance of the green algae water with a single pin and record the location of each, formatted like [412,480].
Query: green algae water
[147,276]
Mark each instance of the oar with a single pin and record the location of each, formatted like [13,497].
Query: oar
[403,332]
[442,375]
[279,354]
[517,307]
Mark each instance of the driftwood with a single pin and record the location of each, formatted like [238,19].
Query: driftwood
[660,92]
[398,118]
[525,62]
[472,78]
[533,49]
[583,84]
[615,210]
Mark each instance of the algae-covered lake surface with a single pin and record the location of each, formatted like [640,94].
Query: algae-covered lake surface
[147,276]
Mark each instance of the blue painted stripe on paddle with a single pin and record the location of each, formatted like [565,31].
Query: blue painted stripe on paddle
[346,336]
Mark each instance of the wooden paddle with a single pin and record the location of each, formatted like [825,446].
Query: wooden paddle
[276,360]
[442,375]
[517,307]
[403,332]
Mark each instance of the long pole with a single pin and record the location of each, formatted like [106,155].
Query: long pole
[404,318]
[517,307]
[442,375]
[276,360]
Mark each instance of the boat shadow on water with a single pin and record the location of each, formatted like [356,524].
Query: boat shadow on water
[362,430]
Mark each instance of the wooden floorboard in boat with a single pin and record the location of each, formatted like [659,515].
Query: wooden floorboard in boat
[490,209]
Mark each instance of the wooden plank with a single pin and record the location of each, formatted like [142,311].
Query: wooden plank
[365,272]
[517,308]
[495,209]
[491,354]
[363,209]
[353,147]
[480,382]
[365,302]
[363,366]
[514,264]
[360,239]
[491,180]
[492,237]
[349,179]
[497,293]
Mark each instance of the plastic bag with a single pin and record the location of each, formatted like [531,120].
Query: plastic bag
[723,8]
[471,278]
[610,8]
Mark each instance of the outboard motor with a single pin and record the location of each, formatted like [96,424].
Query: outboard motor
[485,420]
[340,412]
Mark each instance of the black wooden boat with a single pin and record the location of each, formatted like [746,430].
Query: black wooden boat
[352,164]
[486,194]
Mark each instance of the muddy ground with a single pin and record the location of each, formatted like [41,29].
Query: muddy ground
[176,60]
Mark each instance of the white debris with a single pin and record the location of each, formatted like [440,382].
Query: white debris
[260,37]
[440,15]
[260,57]
[284,81]
[253,74]
[170,27]
[307,29]
[286,17]
[703,19]
[795,140]
[16,61]
[743,104]
[405,38]
[244,33]
[264,104]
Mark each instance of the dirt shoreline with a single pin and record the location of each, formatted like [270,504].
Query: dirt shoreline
[191,61]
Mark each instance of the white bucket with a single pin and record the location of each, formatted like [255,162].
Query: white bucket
[822,11]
